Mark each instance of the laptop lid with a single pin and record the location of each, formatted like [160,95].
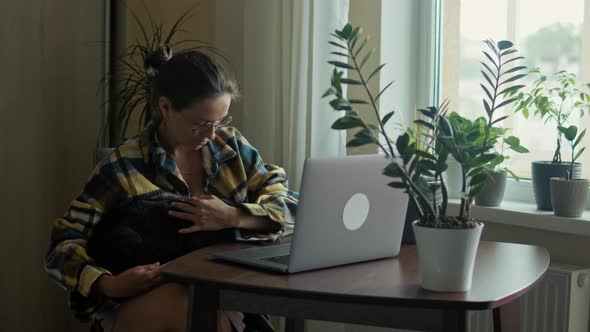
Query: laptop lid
[346,213]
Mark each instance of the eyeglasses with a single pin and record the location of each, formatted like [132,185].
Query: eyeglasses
[206,125]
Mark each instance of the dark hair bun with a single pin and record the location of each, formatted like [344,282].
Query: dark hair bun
[154,61]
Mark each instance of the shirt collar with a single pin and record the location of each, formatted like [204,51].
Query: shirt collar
[219,150]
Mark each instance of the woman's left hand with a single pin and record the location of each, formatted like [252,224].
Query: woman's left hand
[206,213]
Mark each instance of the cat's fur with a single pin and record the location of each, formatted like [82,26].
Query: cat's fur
[140,231]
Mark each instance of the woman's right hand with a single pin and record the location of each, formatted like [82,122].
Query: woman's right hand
[130,282]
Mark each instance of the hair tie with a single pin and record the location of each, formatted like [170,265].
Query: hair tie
[154,61]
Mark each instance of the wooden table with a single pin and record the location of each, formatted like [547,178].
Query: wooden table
[383,292]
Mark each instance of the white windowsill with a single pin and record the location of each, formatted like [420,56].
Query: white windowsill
[527,215]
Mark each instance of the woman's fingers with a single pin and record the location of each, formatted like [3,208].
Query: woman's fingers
[182,215]
[183,206]
[191,229]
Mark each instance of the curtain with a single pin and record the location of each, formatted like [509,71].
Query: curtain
[283,74]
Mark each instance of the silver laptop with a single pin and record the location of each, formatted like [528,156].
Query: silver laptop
[347,213]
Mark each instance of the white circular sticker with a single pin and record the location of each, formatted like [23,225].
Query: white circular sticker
[355,211]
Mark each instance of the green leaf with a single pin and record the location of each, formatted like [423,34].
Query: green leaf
[361,47]
[382,91]
[348,122]
[487,78]
[346,32]
[366,57]
[490,58]
[329,92]
[387,117]
[393,170]
[512,70]
[499,119]
[359,141]
[504,44]
[487,108]
[579,139]
[350,81]
[338,35]
[357,101]
[375,72]
[513,78]
[486,91]
[513,59]
[579,154]
[339,53]
[338,45]
[511,89]
[397,185]
[478,178]
[427,112]
[341,105]
[341,64]
[569,132]
[402,143]
[508,52]
[424,154]
[424,124]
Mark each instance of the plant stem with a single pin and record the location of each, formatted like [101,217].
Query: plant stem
[406,177]
[463,188]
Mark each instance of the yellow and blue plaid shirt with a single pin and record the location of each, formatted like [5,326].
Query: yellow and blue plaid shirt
[234,172]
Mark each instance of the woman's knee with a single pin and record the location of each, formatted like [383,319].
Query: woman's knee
[162,309]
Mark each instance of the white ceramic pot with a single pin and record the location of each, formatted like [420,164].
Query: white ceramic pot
[447,257]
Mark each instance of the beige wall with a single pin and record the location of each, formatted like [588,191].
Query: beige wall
[50,92]
[366,14]
[51,58]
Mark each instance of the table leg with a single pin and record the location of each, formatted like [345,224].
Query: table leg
[294,325]
[507,317]
[455,321]
[202,309]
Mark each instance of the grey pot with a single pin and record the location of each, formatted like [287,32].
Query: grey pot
[542,172]
[569,196]
[493,190]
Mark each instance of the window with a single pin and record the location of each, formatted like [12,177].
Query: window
[552,35]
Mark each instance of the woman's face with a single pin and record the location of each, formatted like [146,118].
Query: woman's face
[194,126]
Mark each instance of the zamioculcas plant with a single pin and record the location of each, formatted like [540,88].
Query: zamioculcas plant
[500,71]
[416,166]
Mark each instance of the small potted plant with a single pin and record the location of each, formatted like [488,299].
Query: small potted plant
[447,245]
[500,71]
[554,103]
[569,194]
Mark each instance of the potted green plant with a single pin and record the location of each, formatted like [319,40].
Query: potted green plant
[446,244]
[500,71]
[569,194]
[130,81]
[554,103]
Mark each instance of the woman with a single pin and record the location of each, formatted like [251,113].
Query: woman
[187,149]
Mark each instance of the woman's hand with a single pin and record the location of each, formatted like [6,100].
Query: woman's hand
[130,282]
[206,213]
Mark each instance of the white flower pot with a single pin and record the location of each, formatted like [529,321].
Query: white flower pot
[447,256]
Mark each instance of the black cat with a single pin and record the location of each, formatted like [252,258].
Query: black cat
[140,231]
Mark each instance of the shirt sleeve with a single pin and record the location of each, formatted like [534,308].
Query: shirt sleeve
[67,261]
[268,195]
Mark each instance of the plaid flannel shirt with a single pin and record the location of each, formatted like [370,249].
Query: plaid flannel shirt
[234,172]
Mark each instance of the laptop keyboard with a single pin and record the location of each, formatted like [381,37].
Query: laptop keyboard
[278,259]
